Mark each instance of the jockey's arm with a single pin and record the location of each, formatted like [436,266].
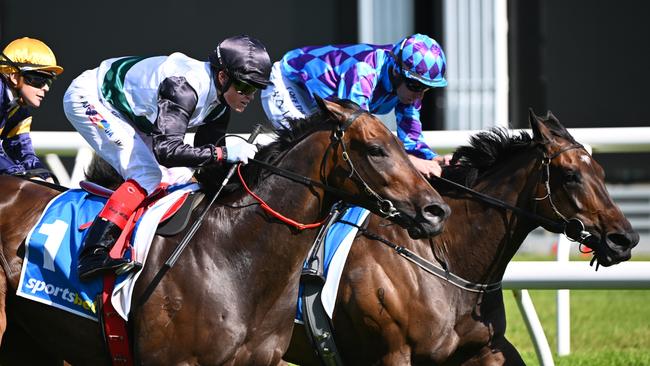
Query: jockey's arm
[18,155]
[212,130]
[409,131]
[176,103]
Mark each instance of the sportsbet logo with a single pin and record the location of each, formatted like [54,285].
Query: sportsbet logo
[35,286]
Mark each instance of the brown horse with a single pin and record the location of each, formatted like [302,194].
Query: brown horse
[390,311]
[230,298]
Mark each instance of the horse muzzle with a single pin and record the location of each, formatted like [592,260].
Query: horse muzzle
[612,248]
[429,221]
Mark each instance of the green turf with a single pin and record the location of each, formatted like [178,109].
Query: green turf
[608,328]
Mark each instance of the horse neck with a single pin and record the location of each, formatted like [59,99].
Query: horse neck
[479,240]
[279,247]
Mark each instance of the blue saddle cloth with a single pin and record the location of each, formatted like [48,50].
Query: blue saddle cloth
[49,274]
[333,239]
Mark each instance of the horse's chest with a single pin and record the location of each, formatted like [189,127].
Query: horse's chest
[473,332]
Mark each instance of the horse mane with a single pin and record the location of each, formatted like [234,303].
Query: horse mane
[102,173]
[486,150]
[283,140]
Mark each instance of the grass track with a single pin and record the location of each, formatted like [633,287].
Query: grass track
[608,327]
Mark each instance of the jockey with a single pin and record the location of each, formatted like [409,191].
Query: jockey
[27,70]
[135,111]
[379,78]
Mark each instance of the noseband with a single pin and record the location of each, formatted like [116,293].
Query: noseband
[573,228]
[385,206]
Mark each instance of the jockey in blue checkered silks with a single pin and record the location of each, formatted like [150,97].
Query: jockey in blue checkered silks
[380,78]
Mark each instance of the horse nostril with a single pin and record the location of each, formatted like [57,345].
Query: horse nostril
[625,240]
[441,212]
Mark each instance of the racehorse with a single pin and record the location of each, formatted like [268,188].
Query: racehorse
[391,311]
[230,297]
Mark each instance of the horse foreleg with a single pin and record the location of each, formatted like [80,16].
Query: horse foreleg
[510,353]
[500,353]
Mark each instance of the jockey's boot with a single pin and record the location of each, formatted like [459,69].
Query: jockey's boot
[94,258]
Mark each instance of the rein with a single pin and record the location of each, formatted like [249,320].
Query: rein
[573,228]
[385,206]
[274,213]
[428,266]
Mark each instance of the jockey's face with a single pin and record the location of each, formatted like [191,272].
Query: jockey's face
[236,100]
[405,94]
[29,95]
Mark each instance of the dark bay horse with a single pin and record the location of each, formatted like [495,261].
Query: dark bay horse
[389,311]
[230,299]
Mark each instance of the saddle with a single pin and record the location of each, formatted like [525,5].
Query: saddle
[174,220]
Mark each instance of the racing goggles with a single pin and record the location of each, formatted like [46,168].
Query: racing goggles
[414,85]
[37,79]
[243,88]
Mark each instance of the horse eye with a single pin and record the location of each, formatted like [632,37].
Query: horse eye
[376,150]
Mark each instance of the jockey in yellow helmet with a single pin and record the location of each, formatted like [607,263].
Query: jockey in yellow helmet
[27,69]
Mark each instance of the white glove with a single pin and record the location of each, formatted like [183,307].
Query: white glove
[240,152]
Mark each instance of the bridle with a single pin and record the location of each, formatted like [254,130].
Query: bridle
[385,206]
[573,228]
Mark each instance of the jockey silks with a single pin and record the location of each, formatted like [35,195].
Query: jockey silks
[17,155]
[135,111]
[130,85]
[358,72]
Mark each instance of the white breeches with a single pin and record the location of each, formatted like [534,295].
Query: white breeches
[114,138]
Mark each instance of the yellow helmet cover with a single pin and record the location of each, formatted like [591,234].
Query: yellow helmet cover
[29,54]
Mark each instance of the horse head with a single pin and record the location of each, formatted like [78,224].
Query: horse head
[572,190]
[371,164]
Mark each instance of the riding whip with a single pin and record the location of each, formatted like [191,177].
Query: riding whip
[194,228]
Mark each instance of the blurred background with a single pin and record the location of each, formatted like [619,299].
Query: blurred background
[584,60]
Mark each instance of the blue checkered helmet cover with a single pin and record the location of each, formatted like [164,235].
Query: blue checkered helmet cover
[421,58]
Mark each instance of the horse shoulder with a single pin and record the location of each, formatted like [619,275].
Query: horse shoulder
[21,205]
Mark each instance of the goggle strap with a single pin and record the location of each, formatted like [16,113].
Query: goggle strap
[9,62]
[19,65]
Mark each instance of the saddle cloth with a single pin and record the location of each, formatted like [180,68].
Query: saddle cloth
[338,242]
[49,273]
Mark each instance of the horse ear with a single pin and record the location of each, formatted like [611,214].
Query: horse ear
[320,102]
[331,109]
[544,128]
[548,128]
[537,126]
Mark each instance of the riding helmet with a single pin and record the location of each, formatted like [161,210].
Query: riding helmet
[28,54]
[419,57]
[243,58]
